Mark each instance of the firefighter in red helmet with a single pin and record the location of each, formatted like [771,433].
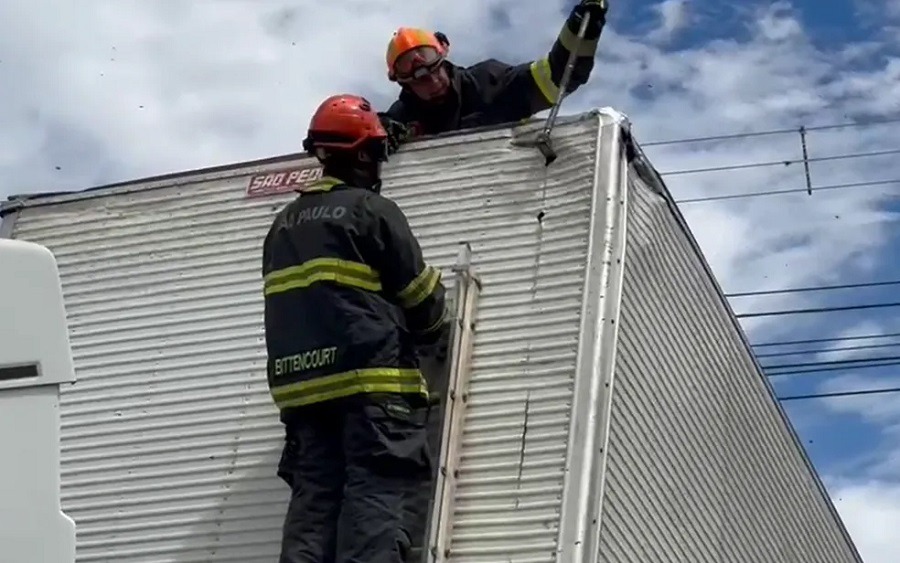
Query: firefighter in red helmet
[437,96]
[348,299]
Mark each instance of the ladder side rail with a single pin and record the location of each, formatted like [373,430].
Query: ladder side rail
[468,289]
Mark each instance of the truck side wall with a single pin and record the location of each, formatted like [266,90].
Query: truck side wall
[513,455]
[8,224]
[169,437]
[702,464]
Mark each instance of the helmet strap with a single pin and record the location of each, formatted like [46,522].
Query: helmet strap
[353,171]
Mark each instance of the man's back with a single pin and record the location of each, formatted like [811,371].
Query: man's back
[347,291]
[348,297]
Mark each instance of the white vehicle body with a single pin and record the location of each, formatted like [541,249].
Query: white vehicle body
[35,359]
[604,403]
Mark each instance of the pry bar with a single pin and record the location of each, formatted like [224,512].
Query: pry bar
[543,141]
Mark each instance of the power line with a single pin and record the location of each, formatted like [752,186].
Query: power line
[801,130]
[780,162]
[831,339]
[725,137]
[827,350]
[840,394]
[845,186]
[817,310]
[812,288]
[832,362]
[832,368]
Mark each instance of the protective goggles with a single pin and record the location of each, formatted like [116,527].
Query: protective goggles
[417,64]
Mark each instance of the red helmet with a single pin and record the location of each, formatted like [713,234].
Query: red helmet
[344,123]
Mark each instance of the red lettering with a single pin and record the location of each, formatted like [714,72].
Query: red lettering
[256,183]
[283,181]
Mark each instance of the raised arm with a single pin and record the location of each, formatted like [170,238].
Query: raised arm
[547,72]
[520,91]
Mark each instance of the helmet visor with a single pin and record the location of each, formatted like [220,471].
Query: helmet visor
[417,63]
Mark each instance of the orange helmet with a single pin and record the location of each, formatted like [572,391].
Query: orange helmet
[425,48]
[344,122]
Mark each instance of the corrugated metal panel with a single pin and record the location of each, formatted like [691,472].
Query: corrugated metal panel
[513,451]
[169,438]
[702,466]
[169,441]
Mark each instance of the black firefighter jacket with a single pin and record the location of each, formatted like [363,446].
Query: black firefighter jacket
[492,92]
[348,296]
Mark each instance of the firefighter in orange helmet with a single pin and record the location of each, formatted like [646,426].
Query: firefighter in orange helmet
[348,300]
[437,96]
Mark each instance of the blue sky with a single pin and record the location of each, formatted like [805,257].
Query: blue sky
[133,88]
[852,441]
[830,28]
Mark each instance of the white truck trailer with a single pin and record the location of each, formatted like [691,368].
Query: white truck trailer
[35,359]
[603,404]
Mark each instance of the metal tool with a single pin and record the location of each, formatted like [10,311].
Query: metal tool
[542,141]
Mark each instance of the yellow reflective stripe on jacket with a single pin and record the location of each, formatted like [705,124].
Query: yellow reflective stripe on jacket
[323,184]
[344,272]
[420,288]
[328,387]
[540,72]
[582,47]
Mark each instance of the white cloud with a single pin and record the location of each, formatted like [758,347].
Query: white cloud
[877,409]
[859,347]
[109,90]
[867,494]
[871,510]
[891,7]
[673,16]
[872,408]
[776,23]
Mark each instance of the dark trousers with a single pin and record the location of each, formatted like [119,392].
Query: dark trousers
[352,464]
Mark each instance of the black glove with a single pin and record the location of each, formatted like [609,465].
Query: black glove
[596,9]
[442,39]
[397,133]
[436,344]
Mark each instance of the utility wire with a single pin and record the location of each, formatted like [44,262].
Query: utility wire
[801,130]
[725,137]
[832,362]
[846,186]
[812,288]
[817,310]
[780,162]
[831,339]
[827,350]
[833,368]
[840,394]
[805,161]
